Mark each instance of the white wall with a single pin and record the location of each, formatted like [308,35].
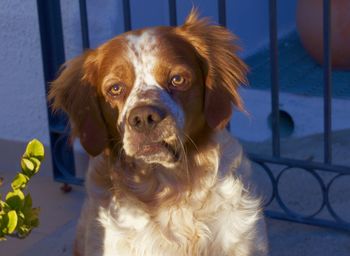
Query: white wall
[22,101]
[22,97]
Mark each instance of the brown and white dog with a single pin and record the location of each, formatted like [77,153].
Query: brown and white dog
[150,107]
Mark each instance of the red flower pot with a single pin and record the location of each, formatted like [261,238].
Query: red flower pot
[310,28]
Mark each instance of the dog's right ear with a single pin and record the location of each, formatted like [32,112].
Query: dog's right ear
[75,92]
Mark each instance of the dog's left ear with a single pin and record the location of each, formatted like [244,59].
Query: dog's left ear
[225,71]
[75,92]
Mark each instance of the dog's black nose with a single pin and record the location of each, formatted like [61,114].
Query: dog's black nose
[145,118]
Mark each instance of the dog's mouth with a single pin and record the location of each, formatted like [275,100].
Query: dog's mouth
[164,149]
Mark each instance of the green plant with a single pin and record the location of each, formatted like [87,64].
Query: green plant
[17,216]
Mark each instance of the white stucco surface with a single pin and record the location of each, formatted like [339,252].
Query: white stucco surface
[306,112]
[22,96]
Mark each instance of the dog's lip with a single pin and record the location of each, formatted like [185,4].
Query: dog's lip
[172,149]
[152,148]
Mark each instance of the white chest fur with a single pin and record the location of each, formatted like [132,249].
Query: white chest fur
[218,218]
[223,219]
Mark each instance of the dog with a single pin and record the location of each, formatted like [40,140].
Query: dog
[150,107]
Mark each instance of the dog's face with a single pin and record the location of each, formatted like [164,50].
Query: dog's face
[153,91]
[160,100]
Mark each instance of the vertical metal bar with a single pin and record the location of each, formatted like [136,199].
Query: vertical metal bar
[222,12]
[52,48]
[84,24]
[274,78]
[327,76]
[51,36]
[172,13]
[127,15]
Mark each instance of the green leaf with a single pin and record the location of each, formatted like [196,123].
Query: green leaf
[20,181]
[35,149]
[16,212]
[20,215]
[36,163]
[34,222]
[27,166]
[12,221]
[15,199]
[27,202]
[30,166]
[4,207]
[24,230]
[34,217]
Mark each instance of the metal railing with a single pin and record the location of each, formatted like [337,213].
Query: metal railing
[51,36]
[310,167]
[62,155]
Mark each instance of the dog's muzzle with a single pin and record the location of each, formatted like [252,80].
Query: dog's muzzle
[152,134]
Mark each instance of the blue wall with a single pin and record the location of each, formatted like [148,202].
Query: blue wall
[246,18]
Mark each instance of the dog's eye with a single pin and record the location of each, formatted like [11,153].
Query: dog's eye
[115,90]
[177,80]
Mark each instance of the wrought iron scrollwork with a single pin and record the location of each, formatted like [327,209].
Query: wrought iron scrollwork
[286,213]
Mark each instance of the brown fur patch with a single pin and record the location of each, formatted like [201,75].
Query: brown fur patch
[224,70]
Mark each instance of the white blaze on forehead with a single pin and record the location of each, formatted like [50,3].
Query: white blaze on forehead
[143,54]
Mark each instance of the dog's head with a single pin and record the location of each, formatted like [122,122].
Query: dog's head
[151,92]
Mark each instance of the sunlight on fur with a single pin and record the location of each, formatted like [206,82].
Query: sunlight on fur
[165,177]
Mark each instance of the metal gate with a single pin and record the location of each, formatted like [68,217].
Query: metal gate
[62,154]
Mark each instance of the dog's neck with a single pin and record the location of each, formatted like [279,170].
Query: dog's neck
[154,184]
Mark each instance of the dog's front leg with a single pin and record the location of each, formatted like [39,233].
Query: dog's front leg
[94,235]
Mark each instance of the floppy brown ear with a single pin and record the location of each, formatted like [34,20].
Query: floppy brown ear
[224,70]
[74,93]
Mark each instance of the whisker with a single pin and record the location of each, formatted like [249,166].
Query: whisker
[185,158]
[192,142]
